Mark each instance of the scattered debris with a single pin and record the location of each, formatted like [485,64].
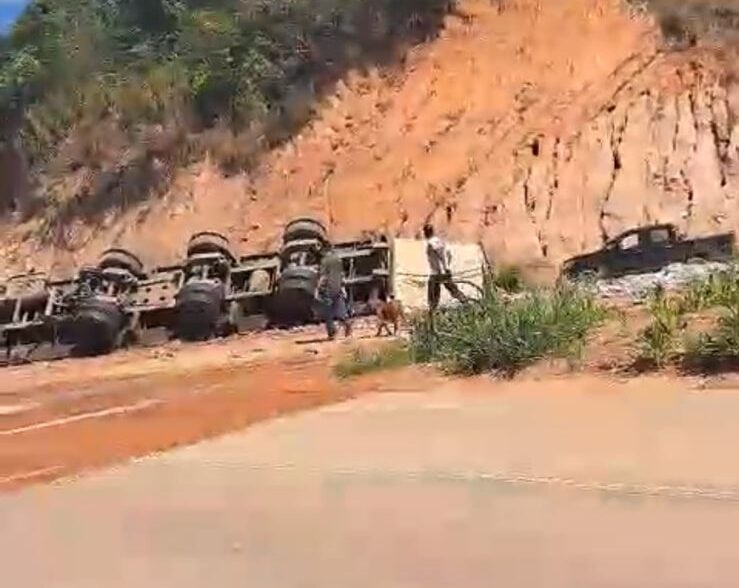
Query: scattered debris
[672,277]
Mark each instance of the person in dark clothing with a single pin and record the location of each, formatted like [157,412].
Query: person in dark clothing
[440,263]
[331,292]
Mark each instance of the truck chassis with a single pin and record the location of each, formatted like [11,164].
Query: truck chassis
[211,293]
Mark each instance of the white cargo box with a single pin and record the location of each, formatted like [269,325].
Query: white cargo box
[411,271]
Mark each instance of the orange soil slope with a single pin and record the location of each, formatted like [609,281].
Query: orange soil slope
[534,126]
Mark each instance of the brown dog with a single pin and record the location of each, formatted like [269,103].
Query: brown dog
[388,313]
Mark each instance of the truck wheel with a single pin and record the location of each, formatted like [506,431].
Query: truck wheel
[96,327]
[294,299]
[209,242]
[198,310]
[304,228]
[122,259]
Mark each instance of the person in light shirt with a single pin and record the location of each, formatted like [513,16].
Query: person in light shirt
[440,266]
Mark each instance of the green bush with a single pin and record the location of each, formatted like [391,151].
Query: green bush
[493,335]
[721,344]
[658,341]
[725,340]
[363,361]
[718,289]
[509,279]
[251,68]
[204,61]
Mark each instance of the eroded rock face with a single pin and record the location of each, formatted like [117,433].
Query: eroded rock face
[535,127]
[656,157]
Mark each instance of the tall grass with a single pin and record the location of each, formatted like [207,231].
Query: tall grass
[721,344]
[493,335]
[718,289]
[659,340]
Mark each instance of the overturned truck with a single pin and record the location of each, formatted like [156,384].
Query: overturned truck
[212,292]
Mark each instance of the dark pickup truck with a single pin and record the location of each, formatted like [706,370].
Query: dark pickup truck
[648,249]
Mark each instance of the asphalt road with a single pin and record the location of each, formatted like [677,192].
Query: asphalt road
[564,483]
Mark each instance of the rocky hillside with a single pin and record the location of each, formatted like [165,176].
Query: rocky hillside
[536,127]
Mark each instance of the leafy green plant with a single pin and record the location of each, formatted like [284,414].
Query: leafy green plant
[363,361]
[658,341]
[718,289]
[509,279]
[726,338]
[494,335]
[719,345]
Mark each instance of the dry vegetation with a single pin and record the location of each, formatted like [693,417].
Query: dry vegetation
[102,100]
[691,22]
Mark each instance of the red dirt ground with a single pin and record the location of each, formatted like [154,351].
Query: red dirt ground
[176,402]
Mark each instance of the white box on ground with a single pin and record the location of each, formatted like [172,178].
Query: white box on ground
[411,272]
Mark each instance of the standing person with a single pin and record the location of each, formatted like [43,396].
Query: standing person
[440,265]
[331,292]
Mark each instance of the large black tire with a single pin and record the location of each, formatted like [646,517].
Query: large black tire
[209,242]
[199,309]
[121,259]
[96,327]
[294,300]
[298,245]
[304,279]
[304,228]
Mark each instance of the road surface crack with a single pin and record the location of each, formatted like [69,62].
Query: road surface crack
[613,488]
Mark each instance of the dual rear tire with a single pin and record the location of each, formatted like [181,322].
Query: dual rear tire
[294,300]
[199,310]
[97,327]
[304,229]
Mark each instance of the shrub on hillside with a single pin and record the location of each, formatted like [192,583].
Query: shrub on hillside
[202,62]
[251,70]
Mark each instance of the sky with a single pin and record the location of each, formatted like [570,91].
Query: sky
[9,11]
